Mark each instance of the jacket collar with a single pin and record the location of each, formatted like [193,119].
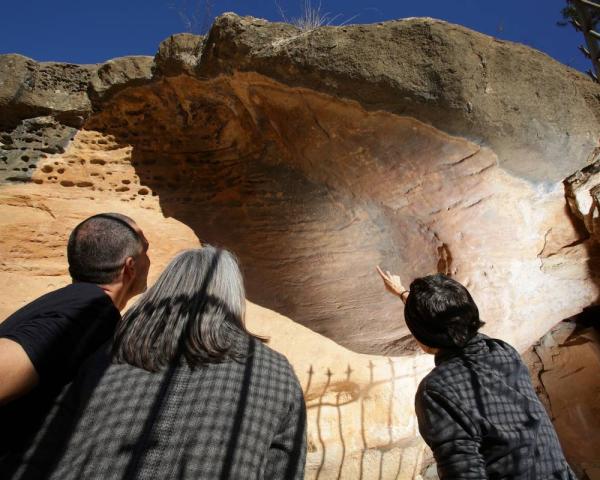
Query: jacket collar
[475,346]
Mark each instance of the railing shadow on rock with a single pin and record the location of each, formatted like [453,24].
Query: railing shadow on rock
[340,451]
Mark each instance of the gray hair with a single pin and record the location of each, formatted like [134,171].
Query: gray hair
[195,311]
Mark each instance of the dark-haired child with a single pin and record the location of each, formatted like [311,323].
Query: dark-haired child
[477,409]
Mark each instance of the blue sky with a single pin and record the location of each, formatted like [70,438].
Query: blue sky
[83,31]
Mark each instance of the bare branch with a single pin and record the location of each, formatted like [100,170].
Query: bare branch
[589,3]
[585,51]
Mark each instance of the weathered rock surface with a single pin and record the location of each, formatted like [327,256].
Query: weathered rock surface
[565,367]
[178,54]
[30,89]
[416,144]
[582,190]
[119,73]
[33,139]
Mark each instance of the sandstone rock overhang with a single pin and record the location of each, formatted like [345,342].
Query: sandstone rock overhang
[316,155]
[502,94]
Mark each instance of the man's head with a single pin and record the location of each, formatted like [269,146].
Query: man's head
[109,248]
[440,312]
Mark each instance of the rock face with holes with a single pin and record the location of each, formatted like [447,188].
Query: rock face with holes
[32,140]
[315,156]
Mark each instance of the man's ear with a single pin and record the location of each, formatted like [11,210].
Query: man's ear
[129,268]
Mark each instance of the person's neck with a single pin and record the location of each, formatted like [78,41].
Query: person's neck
[118,293]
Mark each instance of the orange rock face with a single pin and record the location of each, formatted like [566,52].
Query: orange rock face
[312,192]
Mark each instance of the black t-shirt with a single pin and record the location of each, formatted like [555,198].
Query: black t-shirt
[58,331]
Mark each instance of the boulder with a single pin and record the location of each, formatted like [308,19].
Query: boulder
[178,54]
[14,70]
[30,89]
[117,74]
[352,148]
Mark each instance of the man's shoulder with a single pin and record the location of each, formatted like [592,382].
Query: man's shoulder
[481,351]
[66,301]
[62,327]
[72,294]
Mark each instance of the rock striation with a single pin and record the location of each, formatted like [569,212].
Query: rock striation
[315,155]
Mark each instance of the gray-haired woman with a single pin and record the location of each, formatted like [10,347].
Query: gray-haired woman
[186,392]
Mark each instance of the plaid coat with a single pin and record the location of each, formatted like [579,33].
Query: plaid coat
[219,421]
[479,413]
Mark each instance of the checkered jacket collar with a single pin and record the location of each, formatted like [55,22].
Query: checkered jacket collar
[475,346]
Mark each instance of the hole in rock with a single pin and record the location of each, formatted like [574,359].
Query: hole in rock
[311,192]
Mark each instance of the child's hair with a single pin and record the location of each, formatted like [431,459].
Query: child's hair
[441,313]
